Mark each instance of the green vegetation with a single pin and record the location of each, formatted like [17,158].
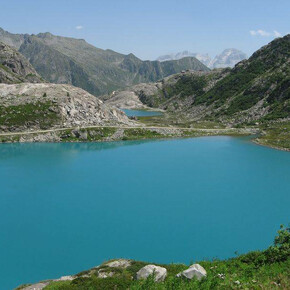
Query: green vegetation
[29,114]
[268,269]
[87,134]
[135,134]
[187,85]
[275,135]
[180,121]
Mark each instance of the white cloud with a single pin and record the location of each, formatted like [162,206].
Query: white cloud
[260,32]
[79,27]
[264,33]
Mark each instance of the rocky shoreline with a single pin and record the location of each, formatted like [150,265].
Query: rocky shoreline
[113,268]
[112,133]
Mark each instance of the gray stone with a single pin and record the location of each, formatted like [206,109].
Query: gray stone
[65,278]
[194,271]
[120,263]
[105,274]
[37,286]
[159,272]
[81,109]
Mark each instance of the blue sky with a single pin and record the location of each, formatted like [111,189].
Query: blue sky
[150,28]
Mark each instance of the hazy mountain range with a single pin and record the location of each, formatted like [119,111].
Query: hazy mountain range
[228,58]
[73,61]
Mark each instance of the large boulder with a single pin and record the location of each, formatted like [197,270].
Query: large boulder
[194,271]
[160,273]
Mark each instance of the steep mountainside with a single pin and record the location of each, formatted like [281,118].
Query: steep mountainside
[14,68]
[164,94]
[255,89]
[74,61]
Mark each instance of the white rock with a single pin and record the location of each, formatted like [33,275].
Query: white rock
[66,278]
[159,272]
[105,274]
[194,271]
[37,286]
[121,263]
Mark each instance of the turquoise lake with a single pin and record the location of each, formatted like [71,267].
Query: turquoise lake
[67,207]
[140,113]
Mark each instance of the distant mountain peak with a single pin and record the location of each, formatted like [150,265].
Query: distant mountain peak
[204,58]
[228,58]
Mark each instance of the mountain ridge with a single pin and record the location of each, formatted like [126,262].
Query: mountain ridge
[74,61]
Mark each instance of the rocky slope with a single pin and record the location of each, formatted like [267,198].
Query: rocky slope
[14,68]
[255,89]
[28,106]
[159,94]
[228,58]
[74,61]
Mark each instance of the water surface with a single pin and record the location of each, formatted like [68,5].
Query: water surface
[141,113]
[67,207]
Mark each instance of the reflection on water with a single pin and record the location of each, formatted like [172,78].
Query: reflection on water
[141,113]
[14,150]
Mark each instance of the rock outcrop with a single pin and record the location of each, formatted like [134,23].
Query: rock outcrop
[194,271]
[29,106]
[120,263]
[159,273]
[15,68]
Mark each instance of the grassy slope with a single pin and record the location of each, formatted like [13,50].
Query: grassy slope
[276,135]
[41,113]
[267,269]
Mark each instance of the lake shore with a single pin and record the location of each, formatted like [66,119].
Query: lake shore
[243,271]
[111,133]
